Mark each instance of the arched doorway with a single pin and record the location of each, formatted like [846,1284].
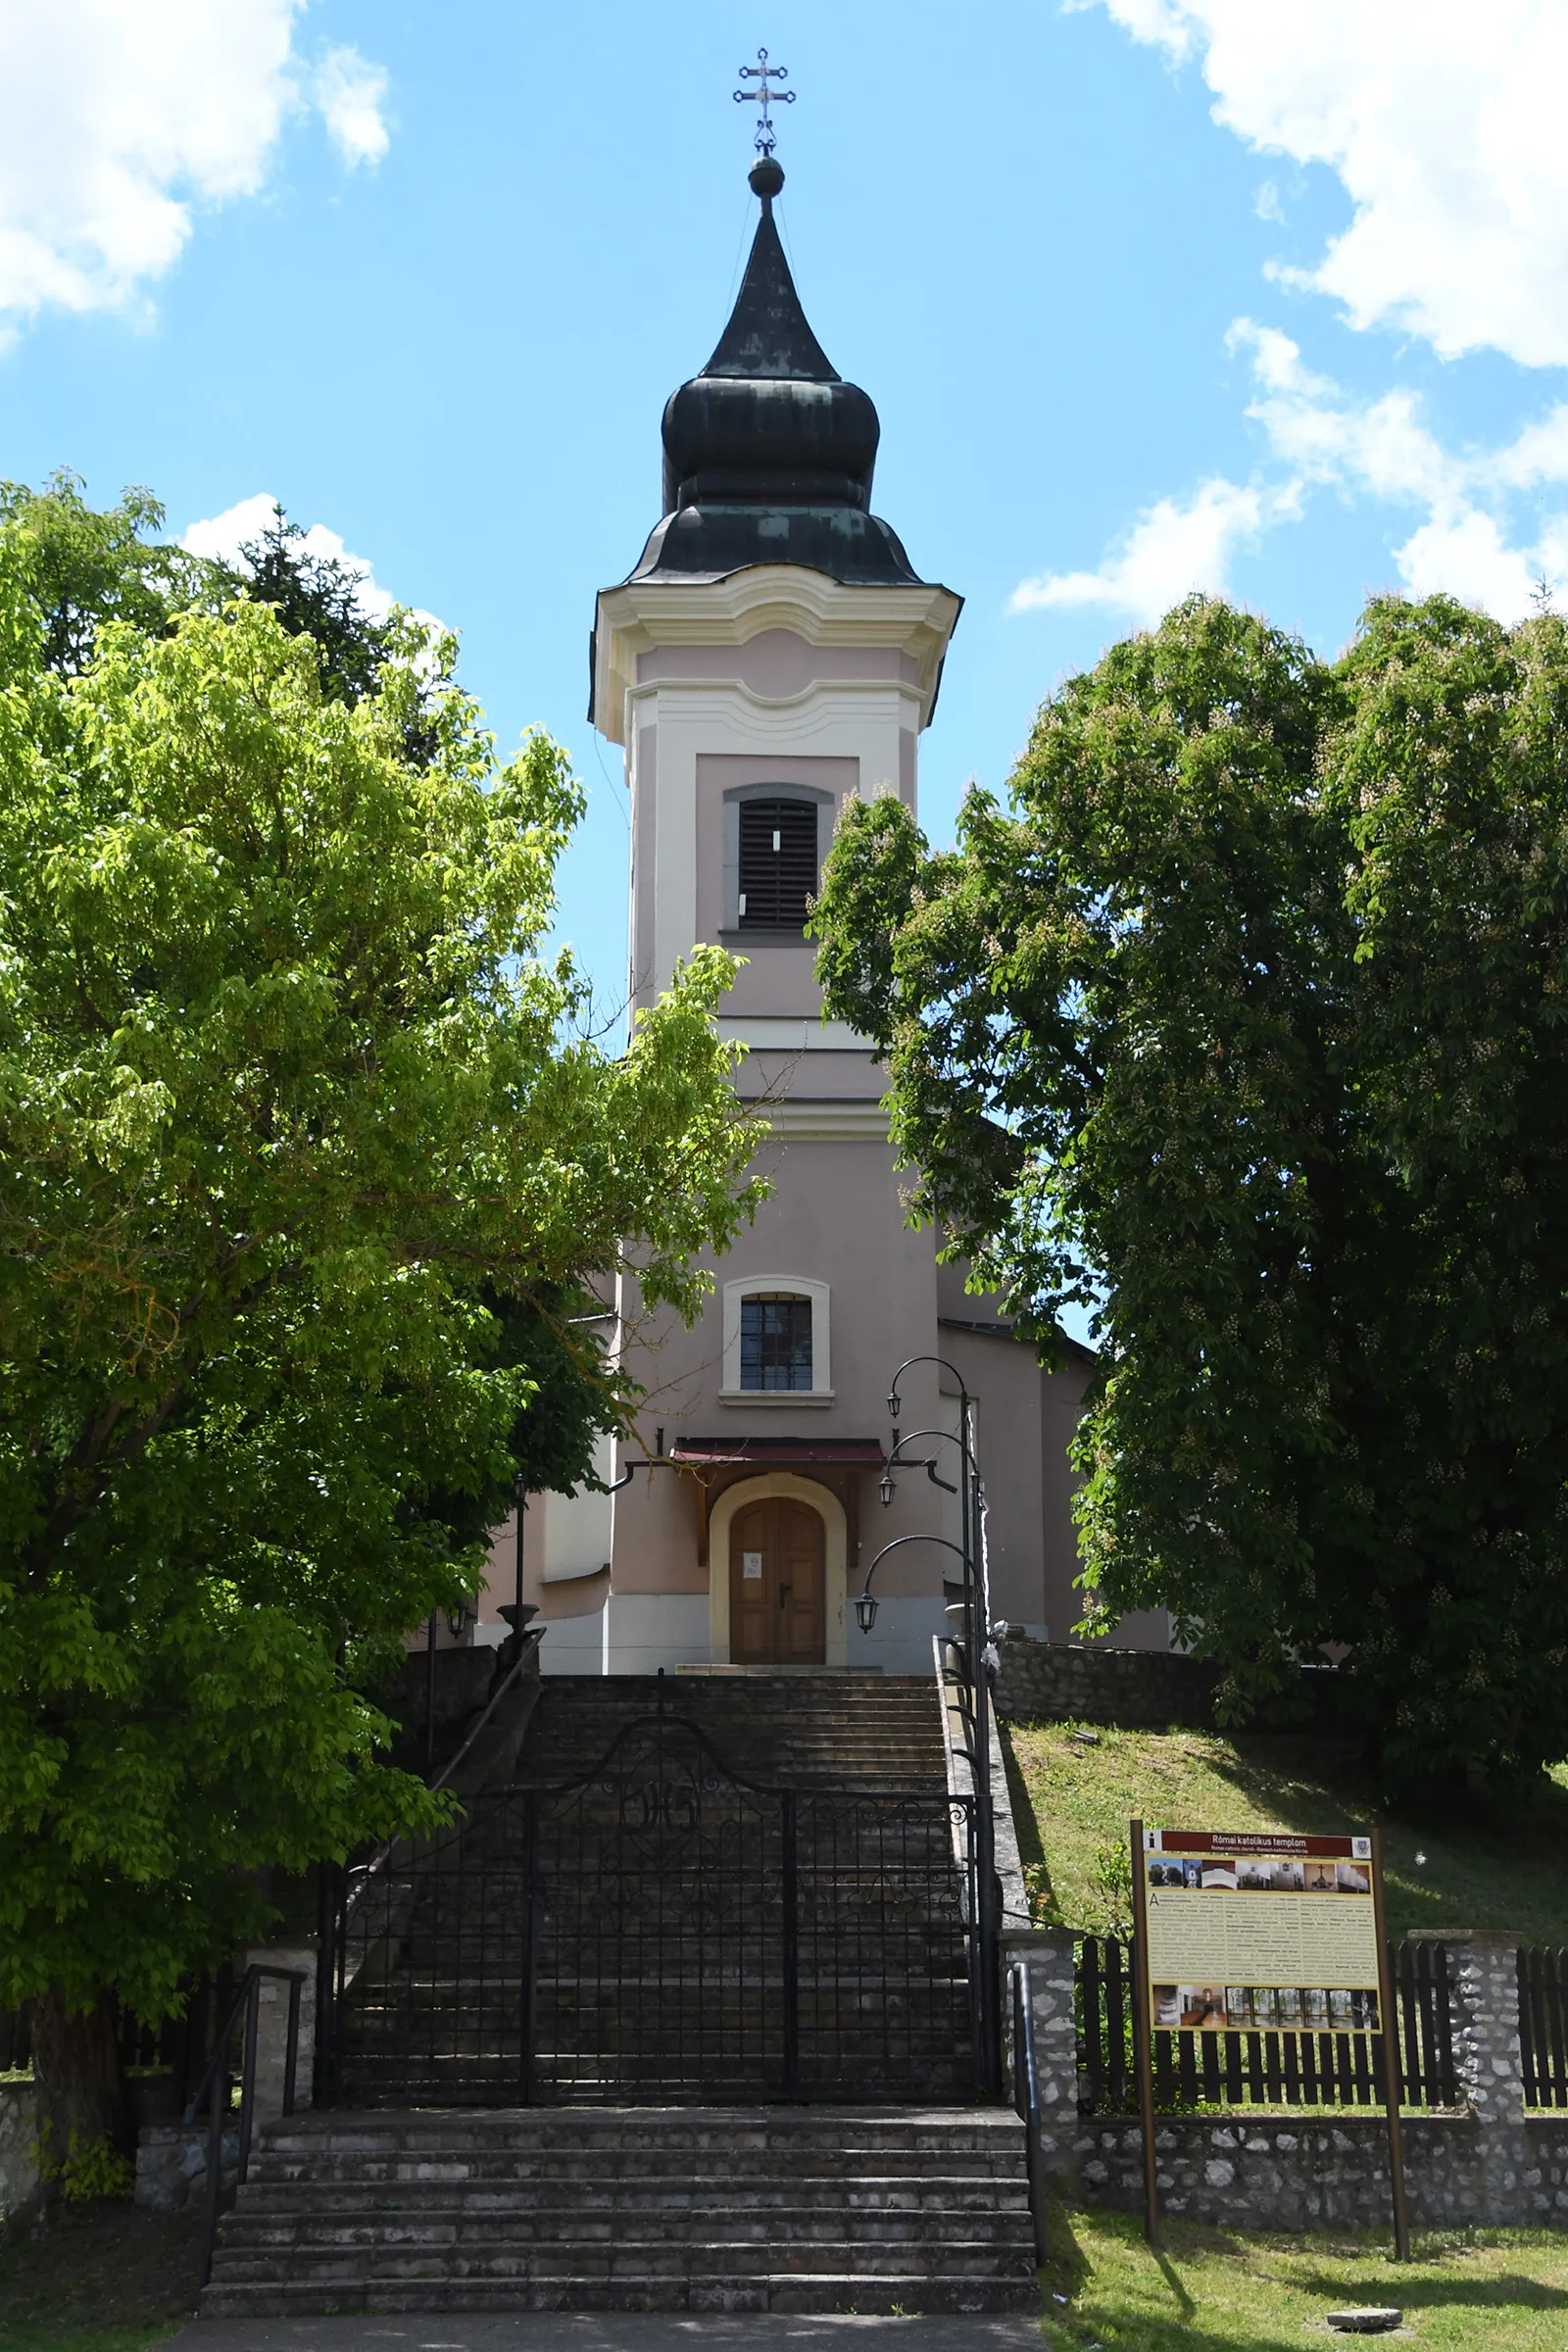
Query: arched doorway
[777,1583]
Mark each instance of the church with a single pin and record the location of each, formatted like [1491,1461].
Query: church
[773,651]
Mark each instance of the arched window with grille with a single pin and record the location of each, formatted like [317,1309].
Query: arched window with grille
[777,1345]
[775,1341]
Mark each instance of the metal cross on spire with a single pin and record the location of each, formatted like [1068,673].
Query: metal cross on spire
[763,97]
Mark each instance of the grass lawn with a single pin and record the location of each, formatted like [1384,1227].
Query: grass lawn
[1504,2291]
[1076,1801]
[101,2277]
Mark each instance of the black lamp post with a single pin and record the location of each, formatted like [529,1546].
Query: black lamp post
[974,1676]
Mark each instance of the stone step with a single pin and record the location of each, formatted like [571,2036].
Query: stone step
[874,2174]
[496,2227]
[474,2089]
[837,1767]
[588,2190]
[838,2130]
[870,2173]
[708,2258]
[745,2209]
[785,1710]
[847,2293]
[907,1734]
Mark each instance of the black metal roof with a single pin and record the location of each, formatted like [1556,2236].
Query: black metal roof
[768,453]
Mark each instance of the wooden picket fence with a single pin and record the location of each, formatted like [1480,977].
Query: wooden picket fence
[1543,2025]
[1309,2068]
[179,2047]
[16,2041]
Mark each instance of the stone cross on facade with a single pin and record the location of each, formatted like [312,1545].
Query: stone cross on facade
[763,97]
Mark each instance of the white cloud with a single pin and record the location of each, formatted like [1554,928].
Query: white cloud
[1171,550]
[1443,119]
[351,93]
[1469,542]
[118,118]
[1463,554]
[1382,447]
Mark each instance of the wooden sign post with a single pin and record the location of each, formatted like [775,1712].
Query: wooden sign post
[1261,1932]
[1142,2059]
[1388,2004]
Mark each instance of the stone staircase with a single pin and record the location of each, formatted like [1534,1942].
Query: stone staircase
[658,1979]
[840,1730]
[635,2209]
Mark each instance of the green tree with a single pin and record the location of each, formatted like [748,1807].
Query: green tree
[319,597]
[1241,1026]
[307,1165]
[80,566]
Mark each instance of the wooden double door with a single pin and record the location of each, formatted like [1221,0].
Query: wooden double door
[777,1585]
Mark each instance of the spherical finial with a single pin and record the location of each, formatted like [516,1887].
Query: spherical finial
[765,177]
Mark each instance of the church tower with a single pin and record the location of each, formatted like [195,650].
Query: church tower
[772,653]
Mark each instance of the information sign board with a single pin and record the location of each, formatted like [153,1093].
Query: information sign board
[1261,1931]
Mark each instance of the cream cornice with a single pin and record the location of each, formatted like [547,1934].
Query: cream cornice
[686,696]
[635,618]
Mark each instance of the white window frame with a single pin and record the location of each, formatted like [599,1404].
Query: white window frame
[798,1286]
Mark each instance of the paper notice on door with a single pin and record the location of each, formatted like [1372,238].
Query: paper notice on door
[751,1564]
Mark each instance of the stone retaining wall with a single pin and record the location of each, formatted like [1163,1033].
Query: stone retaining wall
[1490,2163]
[1138,1690]
[1320,2172]
[171,2165]
[18,2174]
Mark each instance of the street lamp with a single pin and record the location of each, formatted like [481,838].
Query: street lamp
[866,1604]
[974,1660]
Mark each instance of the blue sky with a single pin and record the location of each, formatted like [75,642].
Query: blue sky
[1263,295]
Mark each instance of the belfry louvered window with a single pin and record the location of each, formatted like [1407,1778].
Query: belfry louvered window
[777,863]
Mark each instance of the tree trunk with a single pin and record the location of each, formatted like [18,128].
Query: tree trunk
[80,2083]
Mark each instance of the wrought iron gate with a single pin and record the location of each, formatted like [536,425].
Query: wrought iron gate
[661,1930]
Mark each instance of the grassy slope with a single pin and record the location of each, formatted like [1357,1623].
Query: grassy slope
[102,2276]
[1207,2291]
[1511,1876]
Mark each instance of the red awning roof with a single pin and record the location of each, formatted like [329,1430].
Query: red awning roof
[858,1453]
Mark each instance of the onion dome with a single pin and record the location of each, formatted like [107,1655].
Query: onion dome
[768,453]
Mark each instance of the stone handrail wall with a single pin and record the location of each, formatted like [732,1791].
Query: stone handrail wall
[1317,2168]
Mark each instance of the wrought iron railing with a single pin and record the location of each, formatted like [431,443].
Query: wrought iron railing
[216,2087]
[1307,2068]
[1543,2025]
